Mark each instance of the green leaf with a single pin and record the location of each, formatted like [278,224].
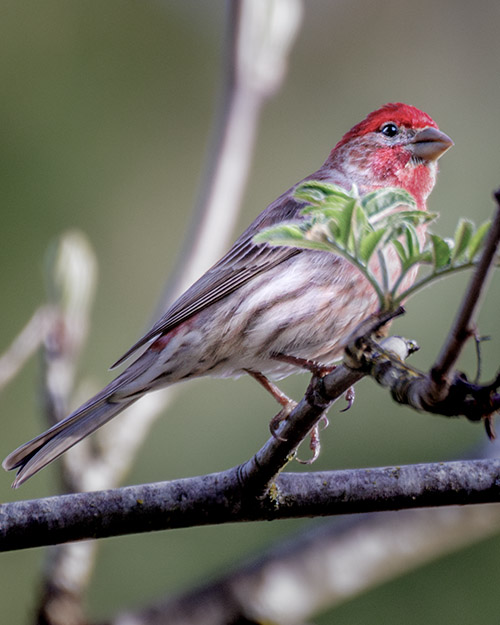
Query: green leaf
[418,217]
[316,192]
[321,213]
[401,218]
[289,236]
[427,257]
[463,235]
[477,240]
[386,199]
[357,228]
[334,230]
[347,224]
[412,241]
[278,233]
[400,249]
[441,251]
[369,243]
[362,220]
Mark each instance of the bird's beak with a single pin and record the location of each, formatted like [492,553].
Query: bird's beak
[430,143]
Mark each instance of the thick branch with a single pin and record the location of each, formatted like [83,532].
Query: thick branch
[220,498]
[314,564]
[414,388]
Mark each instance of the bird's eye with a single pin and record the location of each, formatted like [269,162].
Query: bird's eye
[389,130]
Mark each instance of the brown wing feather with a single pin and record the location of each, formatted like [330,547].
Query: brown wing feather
[244,261]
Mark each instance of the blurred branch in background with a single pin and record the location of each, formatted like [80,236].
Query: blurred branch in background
[323,567]
[258,42]
[259,38]
[71,282]
[26,343]
[61,327]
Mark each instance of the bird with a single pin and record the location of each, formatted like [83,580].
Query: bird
[264,310]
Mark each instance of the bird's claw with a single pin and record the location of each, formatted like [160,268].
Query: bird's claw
[350,396]
[314,446]
[324,422]
[280,417]
[489,426]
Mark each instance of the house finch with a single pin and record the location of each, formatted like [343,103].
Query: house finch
[264,310]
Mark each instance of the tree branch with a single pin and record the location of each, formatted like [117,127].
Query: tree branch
[26,343]
[220,498]
[260,35]
[231,495]
[321,567]
[71,280]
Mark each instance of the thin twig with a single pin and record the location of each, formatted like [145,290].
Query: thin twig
[280,449]
[26,343]
[462,328]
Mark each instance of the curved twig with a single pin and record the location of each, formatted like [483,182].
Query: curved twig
[462,328]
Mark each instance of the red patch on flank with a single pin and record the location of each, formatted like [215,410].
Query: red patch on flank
[164,339]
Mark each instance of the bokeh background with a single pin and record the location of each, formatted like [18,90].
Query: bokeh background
[105,113]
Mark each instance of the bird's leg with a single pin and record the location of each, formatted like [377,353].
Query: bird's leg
[270,387]
[287,403]
[316,368]
[319,370]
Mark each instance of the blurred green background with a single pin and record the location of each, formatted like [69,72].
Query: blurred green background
[105,112]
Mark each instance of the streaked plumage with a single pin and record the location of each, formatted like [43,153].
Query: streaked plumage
[260,300]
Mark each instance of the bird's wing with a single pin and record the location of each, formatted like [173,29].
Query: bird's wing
[244,261]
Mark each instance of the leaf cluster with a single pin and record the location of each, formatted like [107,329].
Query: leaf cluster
[368,229]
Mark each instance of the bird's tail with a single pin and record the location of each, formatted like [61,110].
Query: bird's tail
[39,452]
[120,393]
